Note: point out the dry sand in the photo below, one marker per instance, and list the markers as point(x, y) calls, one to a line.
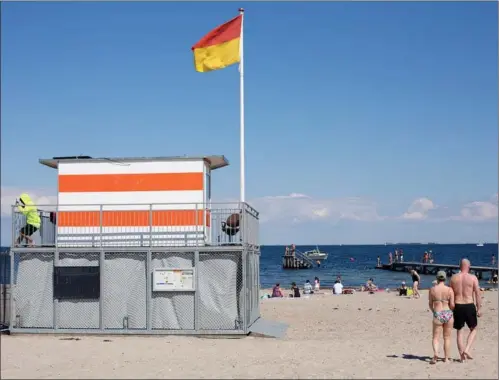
point(348, 336)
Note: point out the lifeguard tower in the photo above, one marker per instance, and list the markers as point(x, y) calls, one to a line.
point(136, 246)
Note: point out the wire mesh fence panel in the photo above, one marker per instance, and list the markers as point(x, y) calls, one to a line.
point(125, 290)
point(34, 291)
point(172, 310)
point(221, 291)
point(78, 313)
point(253, 287)
point(5, 289)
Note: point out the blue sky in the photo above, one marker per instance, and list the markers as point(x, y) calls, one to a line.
point(355, 112)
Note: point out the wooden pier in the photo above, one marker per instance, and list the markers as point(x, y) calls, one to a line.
point(432, 269)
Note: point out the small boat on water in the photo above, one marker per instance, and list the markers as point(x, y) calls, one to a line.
point(479, 245)
point(316, 254)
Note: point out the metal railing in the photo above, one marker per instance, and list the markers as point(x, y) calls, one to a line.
point(302, 256)
point(141, 225)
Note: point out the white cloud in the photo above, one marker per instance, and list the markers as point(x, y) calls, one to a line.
point(10, 194)
point(300, 208)
point(480, 210)
point(419, 208)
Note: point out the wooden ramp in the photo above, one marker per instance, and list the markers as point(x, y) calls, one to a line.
point(268, 329)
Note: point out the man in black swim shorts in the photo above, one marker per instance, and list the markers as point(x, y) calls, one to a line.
point(468, 301)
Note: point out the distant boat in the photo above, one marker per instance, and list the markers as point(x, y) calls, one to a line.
point(316, 254)
point(479, 245)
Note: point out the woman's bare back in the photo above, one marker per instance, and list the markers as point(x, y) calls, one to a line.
point(441, 297)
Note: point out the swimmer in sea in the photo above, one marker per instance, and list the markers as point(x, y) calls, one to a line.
point(441, 303)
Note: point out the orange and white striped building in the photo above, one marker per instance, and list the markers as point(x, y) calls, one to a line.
point(112, 198)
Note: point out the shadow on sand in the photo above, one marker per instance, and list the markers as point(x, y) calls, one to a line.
point(411, 357)
point(426, 359)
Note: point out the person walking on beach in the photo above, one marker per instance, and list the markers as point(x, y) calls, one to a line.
point(468, 304)
point(415, 284)
point(441, 303)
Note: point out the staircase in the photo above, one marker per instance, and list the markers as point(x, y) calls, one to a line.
point(297, 261)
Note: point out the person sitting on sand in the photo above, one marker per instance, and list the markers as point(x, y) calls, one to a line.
point(370, 286)
point(338, 287)
point(295, 291)
point(276, 291)
point(493, 279)
point(317, 285)
point(415, 284)
point(307, 288)
point(403, 289)
point(441, 303)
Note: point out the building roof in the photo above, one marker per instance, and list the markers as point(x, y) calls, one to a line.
point(214, 162)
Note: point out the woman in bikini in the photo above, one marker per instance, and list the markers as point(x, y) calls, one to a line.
point(415, 284)
point(441, 303)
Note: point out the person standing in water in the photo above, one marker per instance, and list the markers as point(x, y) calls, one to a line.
point(468, 306)
point(441, 303)
point(317, 284)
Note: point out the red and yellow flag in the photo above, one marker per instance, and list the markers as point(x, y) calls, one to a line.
point(219, 48)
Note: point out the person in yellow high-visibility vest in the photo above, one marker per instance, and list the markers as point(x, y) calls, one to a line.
point(33, 221)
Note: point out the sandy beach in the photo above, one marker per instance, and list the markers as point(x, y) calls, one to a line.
point(348, 336)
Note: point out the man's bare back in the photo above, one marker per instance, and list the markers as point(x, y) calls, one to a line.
point(465, 286)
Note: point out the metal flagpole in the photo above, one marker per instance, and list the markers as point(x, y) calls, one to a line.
point(241, 91)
